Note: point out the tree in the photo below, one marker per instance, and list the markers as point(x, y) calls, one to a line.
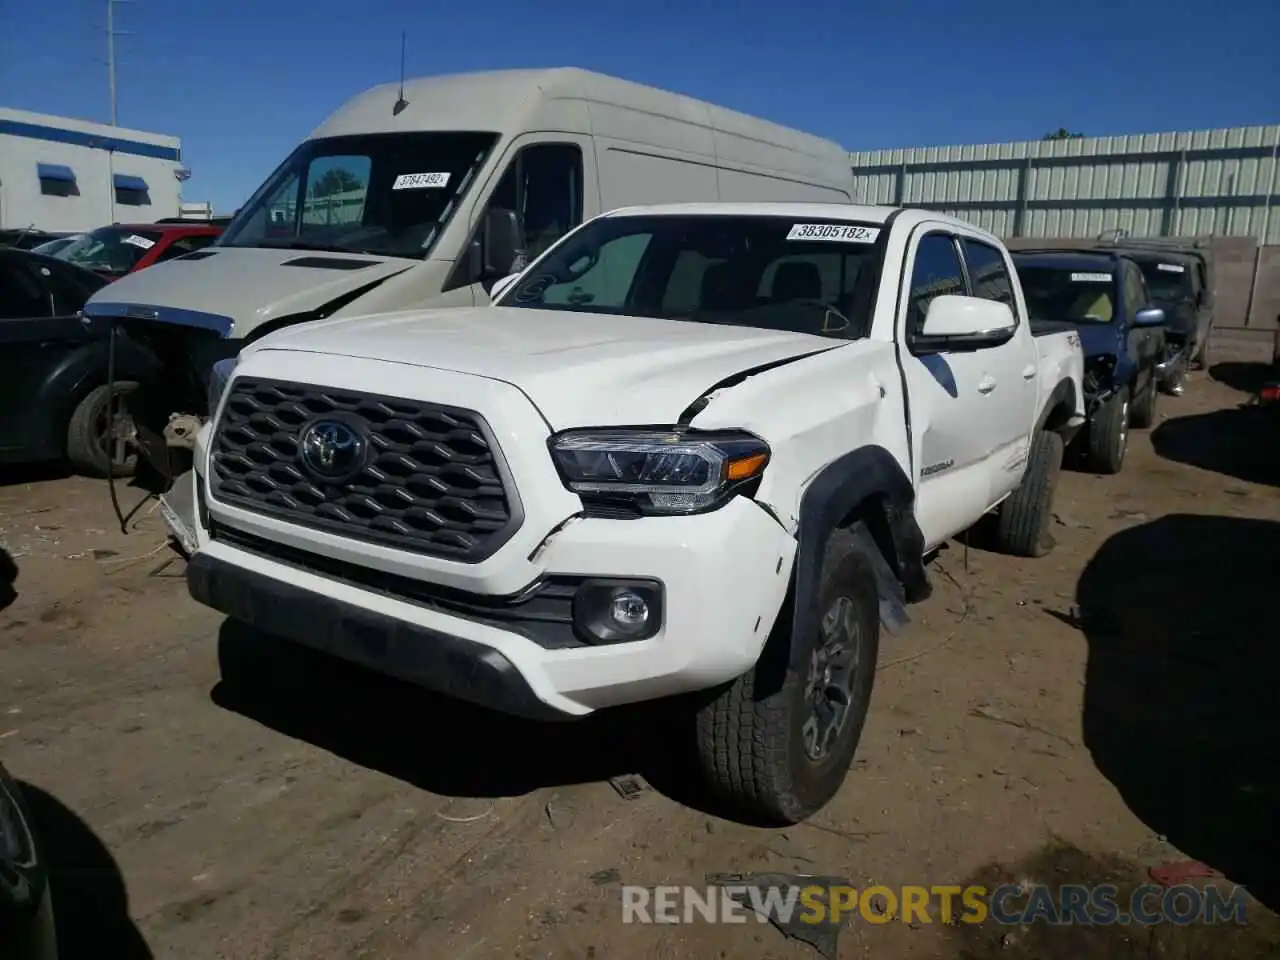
point(1062, 133)
point(335, 180)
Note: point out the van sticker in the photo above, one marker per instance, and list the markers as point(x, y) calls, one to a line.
point(421, 181)
point(140, 242)
point(1171, 267)
point(836, 232)
point(1091, 278)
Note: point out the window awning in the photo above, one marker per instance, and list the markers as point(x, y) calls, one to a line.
point(55, 171)
point(125, 181)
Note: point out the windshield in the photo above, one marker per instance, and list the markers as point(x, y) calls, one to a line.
point(388, 194)
point(775, 273)
point(109, 250)
point(1073, 296)
point(51, 247)
point(1167, 281)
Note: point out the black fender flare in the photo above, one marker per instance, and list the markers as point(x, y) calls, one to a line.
point(1063, 395)
point(869, 485)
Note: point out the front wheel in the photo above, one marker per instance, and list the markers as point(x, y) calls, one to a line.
point(102, 434)
point(776, 744)
point(1109, 434)
point(1143, 413)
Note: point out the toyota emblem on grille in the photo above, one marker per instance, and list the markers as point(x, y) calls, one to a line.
point(332, 450)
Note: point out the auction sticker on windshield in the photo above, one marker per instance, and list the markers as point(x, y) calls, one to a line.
point(421, 181)
point(140, 242)
point(1171, 267)
point(1091, 278)
point(835, 232)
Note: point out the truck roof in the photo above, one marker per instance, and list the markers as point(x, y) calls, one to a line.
point(1097, 260)
point(555, 98)
point(863, 213)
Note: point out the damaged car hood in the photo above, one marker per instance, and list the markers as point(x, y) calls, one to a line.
point(578, 369)
point(249, 285)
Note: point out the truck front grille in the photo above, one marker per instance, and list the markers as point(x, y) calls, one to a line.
point(425, 477)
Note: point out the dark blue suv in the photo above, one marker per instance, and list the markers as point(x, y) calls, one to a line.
point(1104, 297)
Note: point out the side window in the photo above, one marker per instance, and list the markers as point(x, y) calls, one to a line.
point(1202, 283)
point(608, 281)
point(69, 292)
point(543, 185)
point(21, 296)
point(988, 273)
point(336, 191)
point(936, 271)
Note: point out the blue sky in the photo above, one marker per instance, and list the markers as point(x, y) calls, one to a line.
point(242, 81)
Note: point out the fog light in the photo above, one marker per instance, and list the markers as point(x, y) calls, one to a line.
point(629, 611)
point(617, 611)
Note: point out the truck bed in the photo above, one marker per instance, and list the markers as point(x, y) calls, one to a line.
point(1046, 328)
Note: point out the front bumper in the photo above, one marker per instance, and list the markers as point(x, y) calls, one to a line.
point(724, 575)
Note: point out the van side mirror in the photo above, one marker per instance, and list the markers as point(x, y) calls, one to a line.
point(499, 242)
point(960, 323)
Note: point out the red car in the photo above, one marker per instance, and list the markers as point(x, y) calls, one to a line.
point(125, 247)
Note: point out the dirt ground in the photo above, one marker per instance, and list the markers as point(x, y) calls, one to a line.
point(1087, 716)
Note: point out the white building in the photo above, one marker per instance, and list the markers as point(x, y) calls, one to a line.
point(60, 174)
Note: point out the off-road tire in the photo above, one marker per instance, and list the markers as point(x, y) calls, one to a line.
point(1142, 413)
point(1021, 527)
point(84, 447)
point(1108, 437)
point(750, 742)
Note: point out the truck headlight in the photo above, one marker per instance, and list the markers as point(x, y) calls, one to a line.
point(219, 377)
point(659, 472)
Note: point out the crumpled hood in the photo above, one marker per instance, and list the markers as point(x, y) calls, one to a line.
point(251, 285)
point(578, 369)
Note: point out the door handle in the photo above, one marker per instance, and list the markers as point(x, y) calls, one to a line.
point(1029, 373)
point(986, 385)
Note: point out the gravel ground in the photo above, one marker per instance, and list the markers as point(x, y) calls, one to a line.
point(1085, 716)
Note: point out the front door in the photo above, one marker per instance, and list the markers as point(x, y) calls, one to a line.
point(958, 400)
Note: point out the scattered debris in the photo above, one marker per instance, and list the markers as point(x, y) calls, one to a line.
point(603, 878)
point(822, 936)
point(1070, 522)
point(628, 786)
point(1137, 516)
point(1180, 871)
point(986, 712)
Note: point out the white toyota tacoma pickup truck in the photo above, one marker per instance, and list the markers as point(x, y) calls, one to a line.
point(692, 449)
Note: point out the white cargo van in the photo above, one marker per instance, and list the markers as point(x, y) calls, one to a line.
point(424, 196)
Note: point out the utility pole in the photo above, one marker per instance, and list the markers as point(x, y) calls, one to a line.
point(112, 33)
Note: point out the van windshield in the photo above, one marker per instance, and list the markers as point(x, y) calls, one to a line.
point(387, 194)
point(777, 273)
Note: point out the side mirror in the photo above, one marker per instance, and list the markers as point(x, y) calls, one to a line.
point(499, 242)
point(502, 286)
point(954, 322)
point(1149, 317)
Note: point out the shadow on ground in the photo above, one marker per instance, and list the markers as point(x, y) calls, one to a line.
point(1180, 706)
point(1245, 377)
point(90, 904)
point(8, 577)
point(438, 744)
point(1059, 864)
point(1240, 442)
